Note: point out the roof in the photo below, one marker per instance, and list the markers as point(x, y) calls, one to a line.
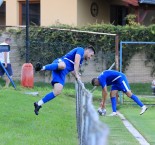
point(147, 1)
point(137, 2)
point(131, 2)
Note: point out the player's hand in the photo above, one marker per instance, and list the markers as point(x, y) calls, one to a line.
point(102, 105)
point(78, 77)
point(101, 111)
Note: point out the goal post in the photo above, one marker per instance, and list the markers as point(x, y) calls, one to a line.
point(98, 33)
point(138, 74)
point(129, 42)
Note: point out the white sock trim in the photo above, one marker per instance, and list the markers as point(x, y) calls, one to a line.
point(43, 68)
point(40, 103)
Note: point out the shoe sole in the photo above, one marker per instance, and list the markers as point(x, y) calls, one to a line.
point(144, 111)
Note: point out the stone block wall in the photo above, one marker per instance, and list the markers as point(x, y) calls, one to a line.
point(136, 71)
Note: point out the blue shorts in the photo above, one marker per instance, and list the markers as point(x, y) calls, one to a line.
point(8, 68)
point(59, 76)
point(121, 85)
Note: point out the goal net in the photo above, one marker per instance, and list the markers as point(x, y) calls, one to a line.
point(137, 61)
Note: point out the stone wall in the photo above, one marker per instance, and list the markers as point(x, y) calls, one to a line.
point(136, 72)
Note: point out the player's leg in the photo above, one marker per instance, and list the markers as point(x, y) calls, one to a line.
point(58, 82)
point(56, 64)
point(113, 94)
point(126, 89)
point(56, 91)
point(138, 101)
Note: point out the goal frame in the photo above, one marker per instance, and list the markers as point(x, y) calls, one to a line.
point(98, 33)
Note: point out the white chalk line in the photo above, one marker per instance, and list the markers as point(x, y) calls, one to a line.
point(133, 130)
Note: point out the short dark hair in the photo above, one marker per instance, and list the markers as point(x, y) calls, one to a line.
point(93, 81)
point(91, 47)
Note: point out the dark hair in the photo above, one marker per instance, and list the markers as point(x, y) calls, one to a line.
point(91, 47)
point(93, 81)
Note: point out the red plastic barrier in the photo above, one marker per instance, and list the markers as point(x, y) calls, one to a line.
point(27, 77)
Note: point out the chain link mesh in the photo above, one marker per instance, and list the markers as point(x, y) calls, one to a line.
point(90, 130)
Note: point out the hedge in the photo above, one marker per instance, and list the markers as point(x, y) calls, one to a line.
point(47, 44)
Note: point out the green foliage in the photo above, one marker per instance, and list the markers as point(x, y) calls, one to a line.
point(47, 44)
point(139, 33)
point(131, 19)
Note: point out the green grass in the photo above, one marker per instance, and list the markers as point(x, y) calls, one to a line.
point(119, 135)
point(141, 88)
point(144, 123)
point(56, 123)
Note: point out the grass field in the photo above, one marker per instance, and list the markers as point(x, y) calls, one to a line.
point(56, 124)
point(145, 123)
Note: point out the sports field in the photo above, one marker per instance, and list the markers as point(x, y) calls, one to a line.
point(56, 123)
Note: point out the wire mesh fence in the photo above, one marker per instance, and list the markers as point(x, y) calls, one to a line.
point(47, 44)
point(90, 130)
point(137, 71)
point(139, 66)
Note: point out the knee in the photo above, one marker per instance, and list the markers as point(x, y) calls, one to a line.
point(113, 94)
point(57, 92)
point(61, 65)
point(129, 94)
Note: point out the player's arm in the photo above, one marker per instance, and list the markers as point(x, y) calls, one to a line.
point(73, 73)
point(76, 65)
point(104, 97)
point(5, 58)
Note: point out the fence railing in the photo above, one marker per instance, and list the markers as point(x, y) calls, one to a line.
point(91, 131)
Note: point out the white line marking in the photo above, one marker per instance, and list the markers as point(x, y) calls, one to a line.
point(132, 130)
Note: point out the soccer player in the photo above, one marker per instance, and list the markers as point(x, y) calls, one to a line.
point(60, 68)
point(118, 82)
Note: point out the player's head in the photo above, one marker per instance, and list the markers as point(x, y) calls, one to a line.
point(95, 82)
point(89, 52)
point(8, 40)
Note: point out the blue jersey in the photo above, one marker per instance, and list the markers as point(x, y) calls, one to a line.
point(69, 58)
point(110, 77)
point(58, 76)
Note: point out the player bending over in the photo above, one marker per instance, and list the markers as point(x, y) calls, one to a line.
point(60, 68)
point(118, 82)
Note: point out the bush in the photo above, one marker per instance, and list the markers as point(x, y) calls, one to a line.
point(47, 44)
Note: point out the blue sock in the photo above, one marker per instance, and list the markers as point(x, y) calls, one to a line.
point(113, 103)
point(136, 99)
point(52, 66)
point(48, 97)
